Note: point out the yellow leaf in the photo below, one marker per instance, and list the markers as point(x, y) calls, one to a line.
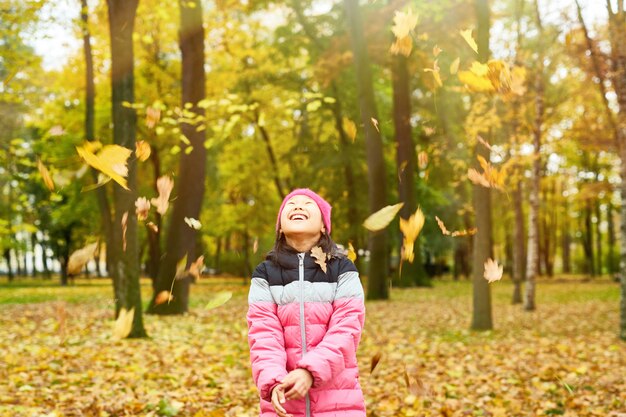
point(164, 185)
point(79, 258)
point(435, 72)
point(220, 298)
point(350, 128)
point(142, 208)
point(180, 268)
point(411, 229)
point(454, 67)
point(403, 23)
point(402, 46)
point(351, 252)
point(436, 50)
point(422, 160)
point(320, 257)
point(142, 150)
point(111, 161)
point(467, 35)
point(475, 83)
point(45, 174)
point(193, 223)
point(493, 272)
point(375, 123)
point(382, 218)
point(477, 178)
point(124, 323)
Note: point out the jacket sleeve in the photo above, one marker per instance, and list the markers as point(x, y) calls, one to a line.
point(338, 347)
point(265, 336)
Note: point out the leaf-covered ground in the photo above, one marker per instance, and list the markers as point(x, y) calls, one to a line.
point(58, 357)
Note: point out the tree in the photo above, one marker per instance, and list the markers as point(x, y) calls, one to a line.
point(181, 239)
point(377, 273)
point(124, 256)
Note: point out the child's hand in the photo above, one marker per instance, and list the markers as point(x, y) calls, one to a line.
point(298, 381)
point(278, 398)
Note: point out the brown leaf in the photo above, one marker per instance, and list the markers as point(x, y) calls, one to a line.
point(153, 227)
point(320, 257)
point(142, 150)
point(375, 360)
point(195, 269)
point(152, 116)
point(402, 46)
point(413, 381)
point(446, 232)
point(163, 297)
point(142, 208)
point(124, 227)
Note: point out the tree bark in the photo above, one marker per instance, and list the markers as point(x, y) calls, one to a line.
point(588, 241)
point(598, 216)
point(483, 244)
point(125, 259)
point(377, 287)
point(411, 273)
point(612, 267)
point(518, 244)
point(181, 239)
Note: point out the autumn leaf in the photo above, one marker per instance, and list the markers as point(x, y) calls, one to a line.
point(196, 267)
point(111, 161)
point(220, 298)
point(446, 232)
point(435, 71)
point(320, 257)
point(124, 227)
point(477, 178)
point(375, 360)
point(164, 185)
point(422, 160)
point(351, 252)
point(193, 223)
point(152, 116)
point(413, 382)
point(142, 150)
point(493, 272)
point(375, 123)
point(45, 174)
point(454, 67)
point(142, 208)
point(56, 131)
point(79, 258)
point(411, 229)
point(436, 51)
point(402, 46)
point(124, 323)
point(153, 227)
point(467, 35)
point(350, 128)
point(181, 267)
point(163, 297)
point(381, 219)
point(403, 23)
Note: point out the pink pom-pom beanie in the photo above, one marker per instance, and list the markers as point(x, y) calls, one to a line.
point(323, 205)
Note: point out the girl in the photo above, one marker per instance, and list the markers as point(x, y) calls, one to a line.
point(305, 318)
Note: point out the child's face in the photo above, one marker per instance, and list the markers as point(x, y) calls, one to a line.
point(301, 216)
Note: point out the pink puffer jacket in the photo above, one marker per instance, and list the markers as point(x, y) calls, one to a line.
point(301, 317)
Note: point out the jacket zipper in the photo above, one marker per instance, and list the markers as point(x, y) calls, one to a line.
point(307, 400)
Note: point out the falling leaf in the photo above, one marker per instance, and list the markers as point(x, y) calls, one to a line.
point(111, 161)
point(142, 208)
point(454, 67)
point(428, 130)
point(351, 252)
point(181, 267)
point(467, 35)
point(56, 131)
point(422, 160)
point(411, 229)
point(403, 23)
point(493, 272)
point(45, 174)
point(195, 269)
point(124, 227)
point(436, 50)
point(320, 257)
point(142, 150)
point(402, 46)
point(124, 323)
point(152, 116)
point(477, 178)
point(484, 142)
point(446, 232)
point(163, 297)
point(164, 185)
point(220, 298)
point(193, 223)
point(375, 123)
point(435, 71)
point(255, 245)
point(381, 219)
point(153, 227)
point(413, 382)
point(350, 128)
point(375, 360)
point(79, 258)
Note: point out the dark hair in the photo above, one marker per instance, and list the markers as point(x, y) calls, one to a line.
point(326, 243)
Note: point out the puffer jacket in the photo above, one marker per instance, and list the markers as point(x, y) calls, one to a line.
point(300, 317)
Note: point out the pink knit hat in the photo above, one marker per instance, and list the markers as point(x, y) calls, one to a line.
point(321, 203)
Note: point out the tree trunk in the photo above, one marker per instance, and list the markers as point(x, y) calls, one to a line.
point(481, 201)
point(611, 239)
point(518, 244)
point(7, 259)
point(599, 260)
point(411, 273)
point(588, 241)
point(33, 264)
point(124, 256)
point(377, 287)
point(181, 239)
point(154, 237)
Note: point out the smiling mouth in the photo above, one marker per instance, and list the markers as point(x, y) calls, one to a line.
point(298, 216)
